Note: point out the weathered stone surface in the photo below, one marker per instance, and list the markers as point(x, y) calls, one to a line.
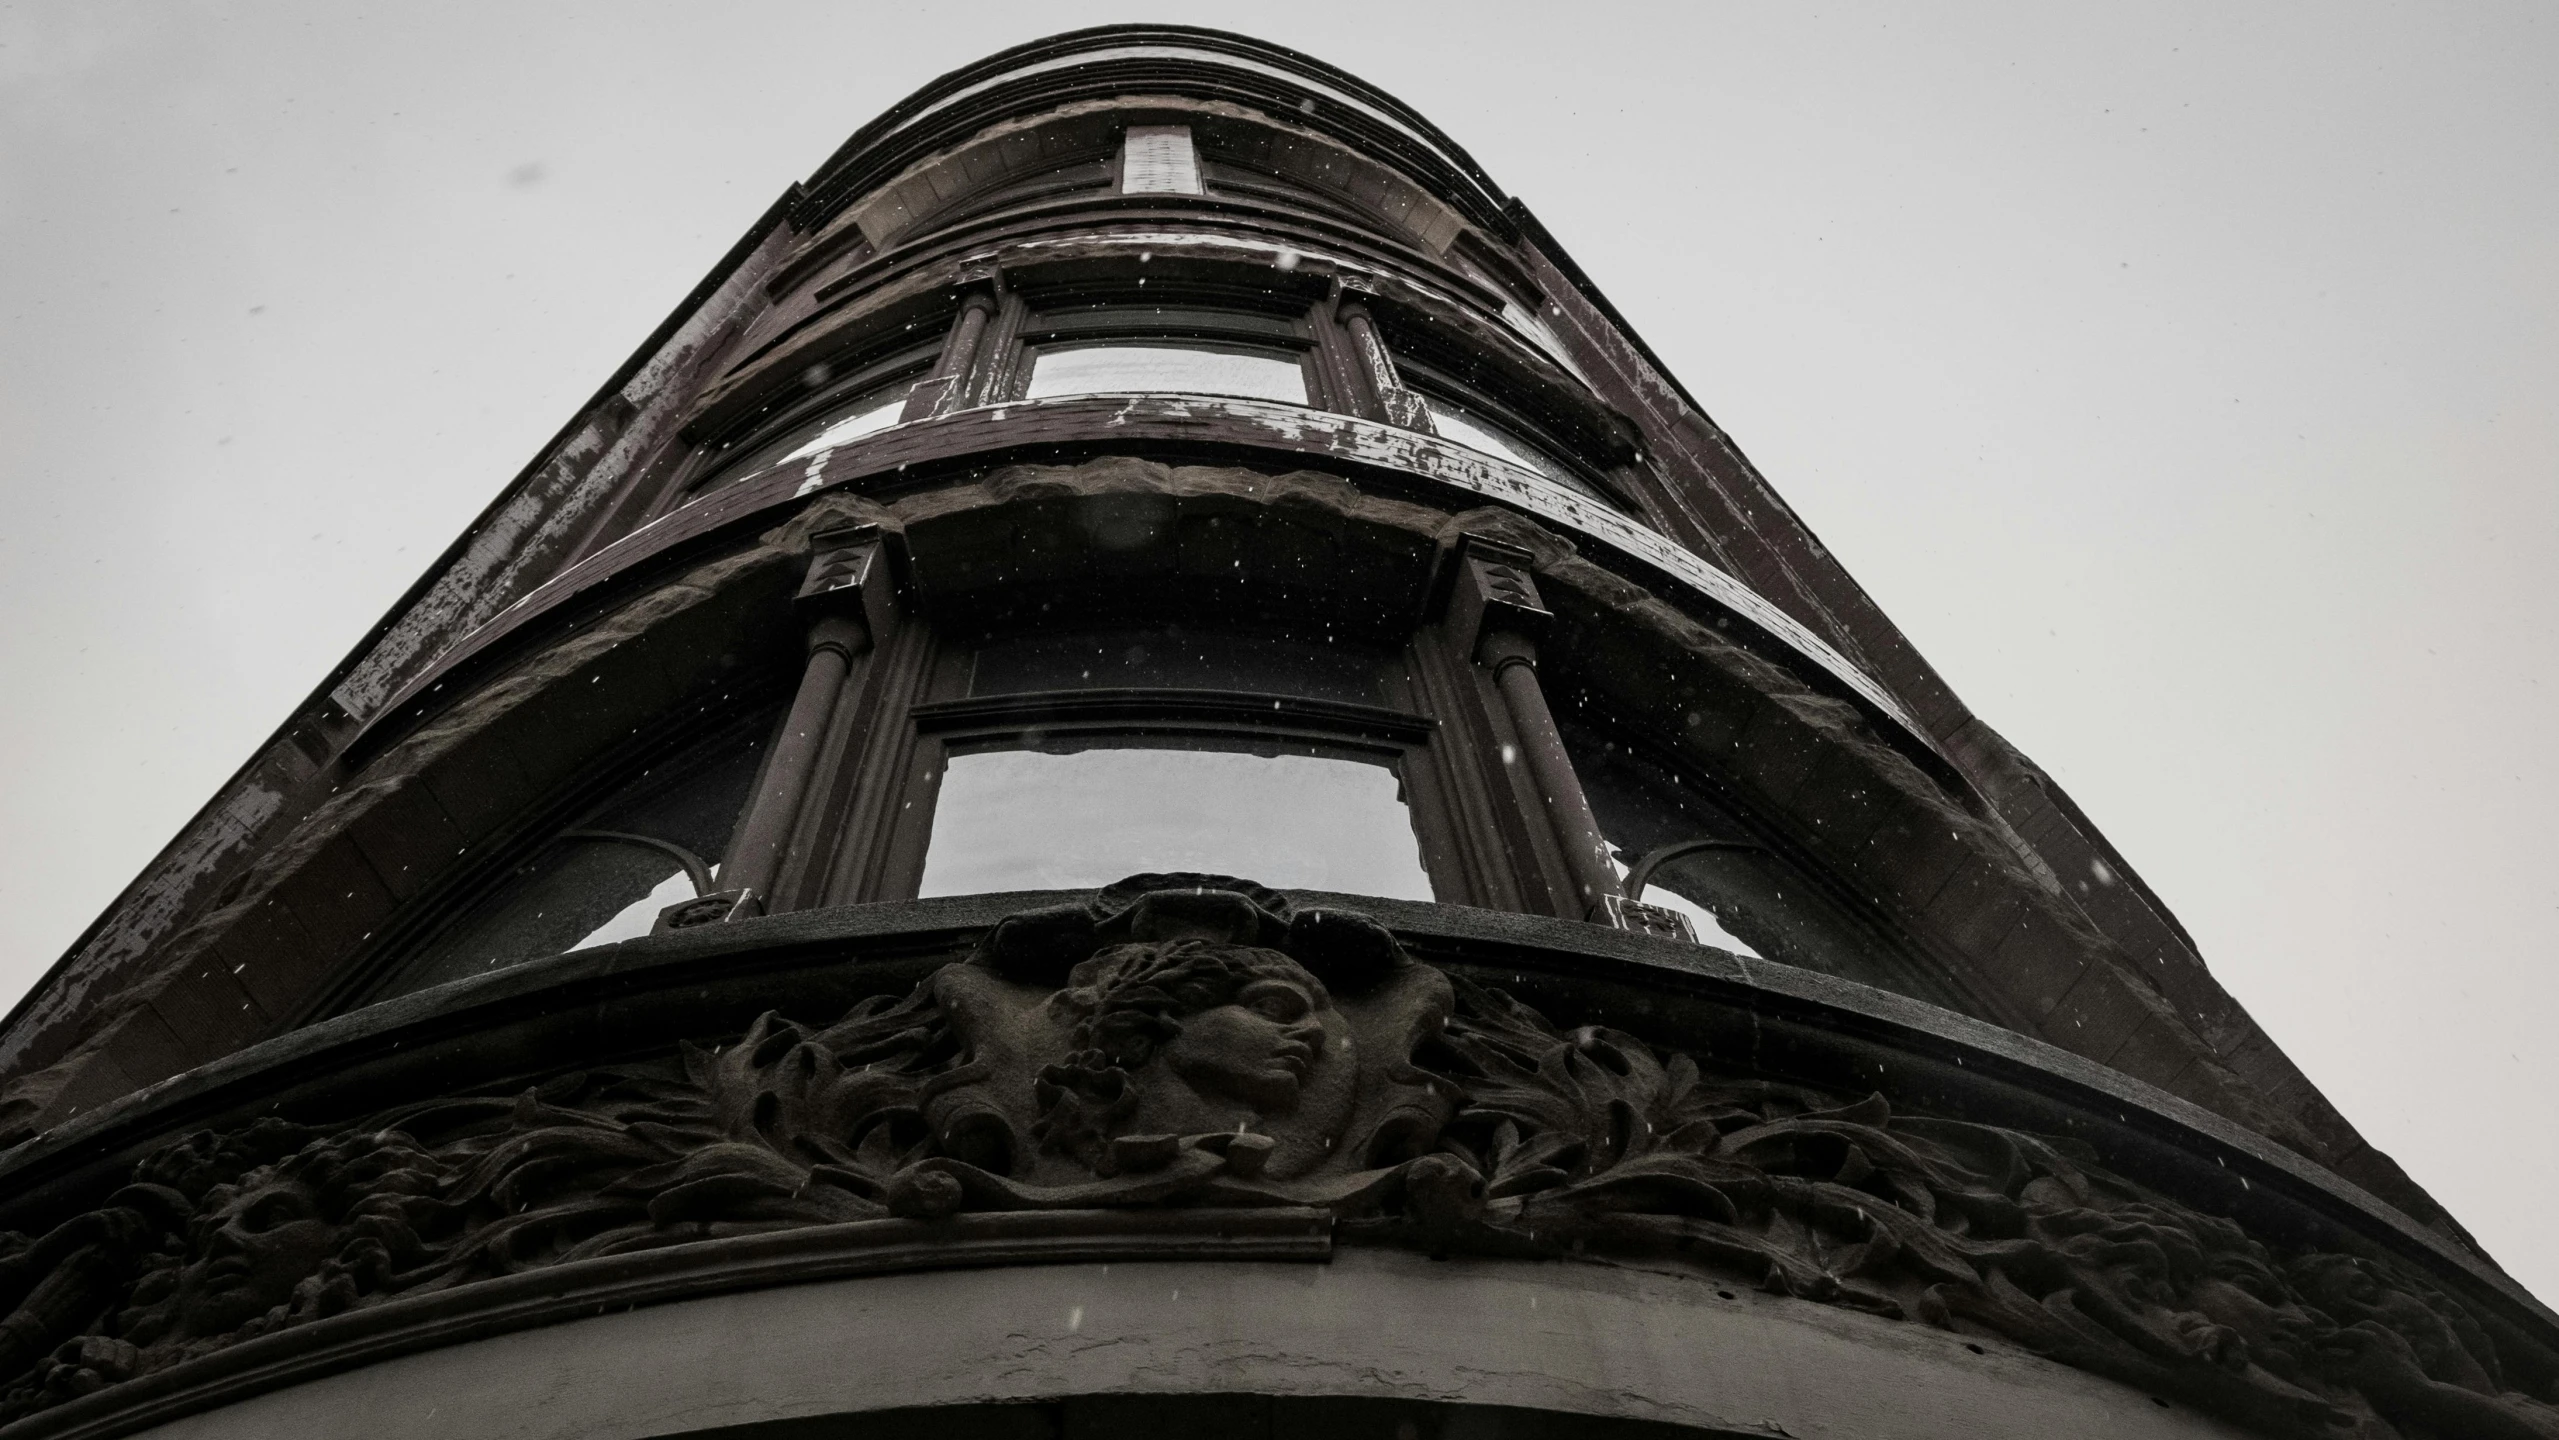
point(1193, 1042)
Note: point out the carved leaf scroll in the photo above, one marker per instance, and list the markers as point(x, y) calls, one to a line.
point(1194, 1040)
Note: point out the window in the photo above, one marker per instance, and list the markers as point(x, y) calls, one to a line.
point(1072, 757)
point(1159, 160)
point(1684, 885)
point(1473, 430)
point(1177, 369)
point(1050, 819)
point(867, 412)
point(873, 412)
point(1739, 892)
point(605, 877)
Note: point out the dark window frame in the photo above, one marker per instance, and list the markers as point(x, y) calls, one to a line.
point(682, 739)
point(1178, 323)
point(1039, 720)
point(915, 708)
point(1892, 943)
point(717, 463)
point(1439, 386)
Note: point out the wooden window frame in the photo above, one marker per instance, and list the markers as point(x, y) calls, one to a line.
point(871, 820)
point(1191, 325)
point(711, 465)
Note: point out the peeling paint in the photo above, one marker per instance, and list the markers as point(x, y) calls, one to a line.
point(554, 503)
point(495, 571)
point(1293, 255)
point(814, 477)
point(145, 912)
point(1371, 443)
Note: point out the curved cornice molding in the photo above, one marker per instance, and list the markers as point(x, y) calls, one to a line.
point(1424, 465)
point(1174, 59)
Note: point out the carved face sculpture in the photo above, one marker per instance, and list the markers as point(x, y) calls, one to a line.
point(264, 1235)
point(1194, 1037)
point(1260, 1047)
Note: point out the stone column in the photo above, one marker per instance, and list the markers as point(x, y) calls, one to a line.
point(845, 602)
point(940, 392)
point(1496, 605)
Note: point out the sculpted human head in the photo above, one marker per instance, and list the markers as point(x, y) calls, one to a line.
point(333, 1207)
point(261, 1237)
point(1235, 1022)
point(1259, 1044)
point(1195, 1036)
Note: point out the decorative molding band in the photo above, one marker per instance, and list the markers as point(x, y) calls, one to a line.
point(1137, 423)
point(677, 1272)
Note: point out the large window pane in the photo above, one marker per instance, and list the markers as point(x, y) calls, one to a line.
point(581, 893)
point(867, 413)
point(1462, 427)
point(1047, 820)
point(1178, 369)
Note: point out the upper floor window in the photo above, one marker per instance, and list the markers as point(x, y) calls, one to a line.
point(1128, 366)
point(871, 403)
point(606, 874)
point(1051, 816)
point(1476, 431)
point(1736, 888)
point(1159, 160)
point(865, 414)
point(1071, 757)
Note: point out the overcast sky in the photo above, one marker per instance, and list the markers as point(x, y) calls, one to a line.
point(2180, 377)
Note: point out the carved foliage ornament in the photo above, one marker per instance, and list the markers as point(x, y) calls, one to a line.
point(1196, 1040)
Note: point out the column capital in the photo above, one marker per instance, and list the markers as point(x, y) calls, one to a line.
point(1494, 609)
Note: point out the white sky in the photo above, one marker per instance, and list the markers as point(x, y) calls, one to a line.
point(2179, 376)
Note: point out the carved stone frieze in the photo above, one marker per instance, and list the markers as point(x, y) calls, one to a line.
point(1196, 1041)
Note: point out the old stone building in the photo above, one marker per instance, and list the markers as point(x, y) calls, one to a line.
point(1143, 773)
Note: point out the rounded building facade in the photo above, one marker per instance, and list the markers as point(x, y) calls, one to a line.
point(1144, 772)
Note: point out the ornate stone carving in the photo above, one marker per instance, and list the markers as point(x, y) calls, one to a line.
point(1197, 1041)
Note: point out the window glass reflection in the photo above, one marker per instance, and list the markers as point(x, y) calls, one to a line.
point(1740, 894)
point(1179, 369)
point(874, 412)
point(1456, 424)
point(1672, 891)
point(1052, 820)
point(1472, 430)
point(1169, 658)
point(867, 413)
point(606, 878)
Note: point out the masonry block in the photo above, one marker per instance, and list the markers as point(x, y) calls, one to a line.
point(407, 839)
point(209, 1010)
point(272, 958)
point(2096, 1015)
point(338, 899)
